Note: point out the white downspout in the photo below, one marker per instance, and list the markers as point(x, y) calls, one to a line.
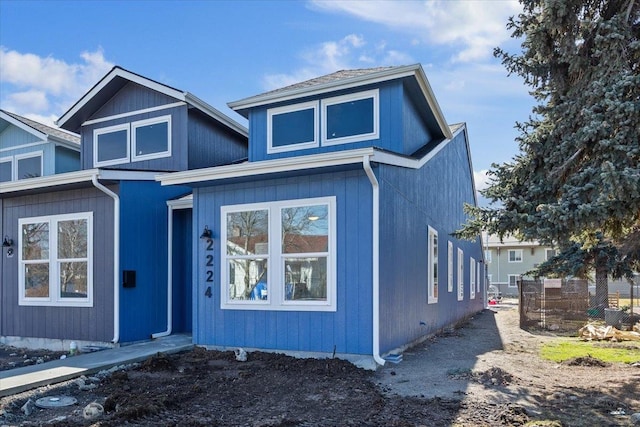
point(116, 256)
point(169, 276)
point(376, 259)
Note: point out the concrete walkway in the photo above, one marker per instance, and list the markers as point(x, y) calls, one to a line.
point(20, 379)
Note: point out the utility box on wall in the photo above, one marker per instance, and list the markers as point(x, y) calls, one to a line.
point(128, 278)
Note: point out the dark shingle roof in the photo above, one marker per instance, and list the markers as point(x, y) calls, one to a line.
point(48, 130)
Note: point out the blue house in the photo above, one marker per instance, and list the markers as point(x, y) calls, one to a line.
point(102, 255)
point(29, 149)
point(334, 237)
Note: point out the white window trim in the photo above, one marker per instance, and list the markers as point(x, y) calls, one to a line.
point(375, 94)
point(460, 274)
point(546, 251)
point(515, 251)
point(509, 276)
point(275, 259)
point(11, 165)
point(488, 256)
point(290, 109)
point(18, 157)
point(472, 278)
point(147, 122)
point(431, 298)
point(489, 280)
point(54, 298)
point(110, 129)
point(449, 266)
point(478, 267)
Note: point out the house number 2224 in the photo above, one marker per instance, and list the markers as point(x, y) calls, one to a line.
point(208, 257)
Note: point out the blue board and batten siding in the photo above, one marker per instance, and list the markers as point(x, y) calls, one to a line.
point(211, 144)
point(411, 201)
point(77, 323)
point(134, 97)
point(345, 331)
point(143, 243)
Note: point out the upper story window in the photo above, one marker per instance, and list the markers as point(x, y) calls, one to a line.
point(21, 166)
point(130, 142)
point(350, 118)
point(279, 255)
point(515, 255)
point(56, 261)
point(345, 118)
point(292, 127)
point(549, 253)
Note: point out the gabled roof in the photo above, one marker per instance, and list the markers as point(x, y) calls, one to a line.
point(40, 130)
point(115, 80)
point(346, 79)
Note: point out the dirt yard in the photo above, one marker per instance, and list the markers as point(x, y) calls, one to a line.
point(485, 373)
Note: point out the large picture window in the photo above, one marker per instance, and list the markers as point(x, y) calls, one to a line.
point(279, 255)
point(140, 140)
point(56, 261)
point(433, 267)
point(292, 127)
point(350, 118)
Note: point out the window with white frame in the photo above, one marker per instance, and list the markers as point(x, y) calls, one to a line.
point(487, 256)
point(56, 260)
point(449, 266)
point(478, 270)
point(292, 127)
point(549, 253)
point(151, 138)
point(515, 255)
point(472, 278)
point(432, 285)
point(129, 142)
point(28, 165)
point(460, 274)
point(279, 255)
point(350, 118)
point(6, 169)
point(513, 280)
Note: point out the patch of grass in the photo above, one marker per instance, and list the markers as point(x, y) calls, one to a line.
point(565, 349)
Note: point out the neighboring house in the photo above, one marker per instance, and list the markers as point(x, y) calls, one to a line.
point(103, 254)
point(29, 149)
point(509, 259)
point(335, 236)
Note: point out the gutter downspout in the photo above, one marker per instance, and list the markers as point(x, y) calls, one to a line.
point(116, 256)
point(169, 276)
point(376, 258)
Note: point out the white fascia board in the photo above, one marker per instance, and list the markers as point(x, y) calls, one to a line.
point(119, 72)
point(421, 77)
point(75, 146)
point(269, 98)
point(288, 164)
point(23, 126)
point(217, 115)
point(74, 178)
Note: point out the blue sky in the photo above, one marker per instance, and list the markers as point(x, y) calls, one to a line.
point(52, 52)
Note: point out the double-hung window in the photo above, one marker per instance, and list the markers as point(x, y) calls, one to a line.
point(279, 255)
point(460, 274)
point(350, 118)
point(131, 142)
point(56, 261)
point(432, 296)
point(292, 127)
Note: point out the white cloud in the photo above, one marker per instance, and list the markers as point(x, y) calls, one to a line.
point(47, 86)
point(481, 179)
point(475, 27)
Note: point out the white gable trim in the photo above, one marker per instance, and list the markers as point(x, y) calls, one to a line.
point(17, 123)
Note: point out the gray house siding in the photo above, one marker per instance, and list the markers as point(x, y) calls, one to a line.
point(77, 323)
point(212, 145)
point(410, 202)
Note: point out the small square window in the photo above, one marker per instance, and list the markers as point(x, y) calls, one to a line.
point(549, 253)
point(350, 118)
point(513, 280)
point(111, 145)
point(151, 138)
